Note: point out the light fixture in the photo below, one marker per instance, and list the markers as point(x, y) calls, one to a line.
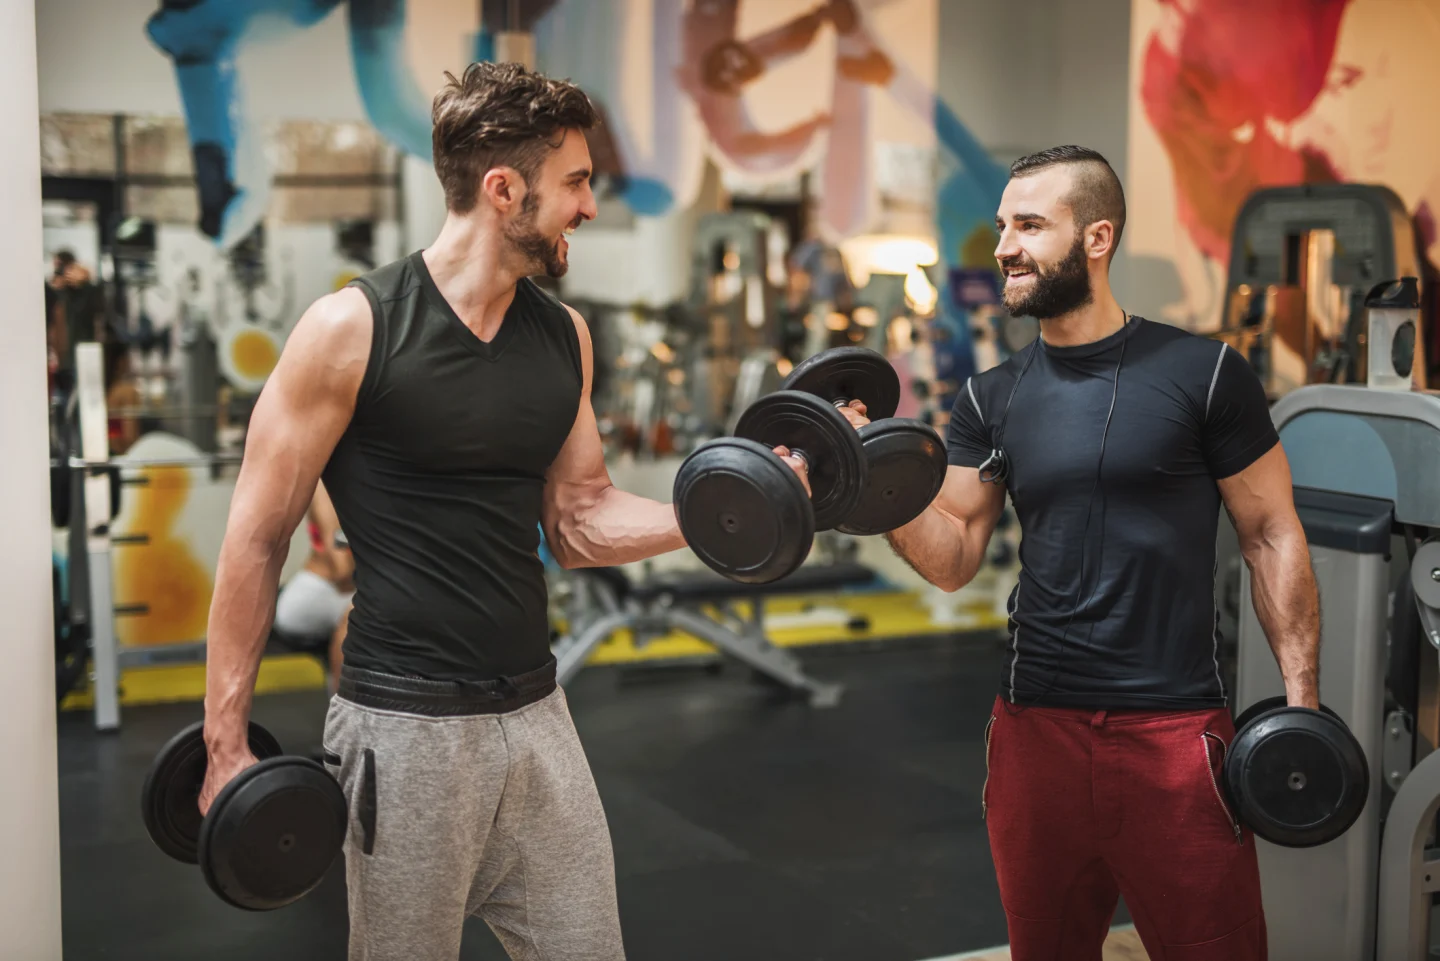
point(920, 295)
point(886, 254)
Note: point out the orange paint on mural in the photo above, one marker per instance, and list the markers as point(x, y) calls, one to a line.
point(164, 573)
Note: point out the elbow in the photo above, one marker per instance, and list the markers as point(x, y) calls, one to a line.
point(562, 537)
point(1280, 538)
point(568, 560)
point(950, 582)
point(569, 523)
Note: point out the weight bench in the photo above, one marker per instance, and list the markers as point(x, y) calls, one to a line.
point(701, 604)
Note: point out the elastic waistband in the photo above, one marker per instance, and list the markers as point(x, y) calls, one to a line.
point(413, 695)
point(1094, 717)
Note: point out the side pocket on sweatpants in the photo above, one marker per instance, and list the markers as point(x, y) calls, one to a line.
point(984, 799)
point(1214, 767)
point(365, 802)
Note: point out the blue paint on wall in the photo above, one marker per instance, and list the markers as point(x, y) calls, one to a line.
point(968, 194)
point(202, 39)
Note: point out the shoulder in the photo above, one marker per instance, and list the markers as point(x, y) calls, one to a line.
point(337, 317)
point(549, 305)
point(1186, 354)
point(331, 341)
point(390, 280)
point(986, 390)
point(583, 343)
point(582, 329)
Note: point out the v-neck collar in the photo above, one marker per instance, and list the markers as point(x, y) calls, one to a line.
point(486, 350)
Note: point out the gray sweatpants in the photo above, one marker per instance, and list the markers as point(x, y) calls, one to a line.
point(495, 815)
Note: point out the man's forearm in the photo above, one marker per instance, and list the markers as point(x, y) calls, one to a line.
point(615, 528)
point(1288, 606)
point(241, 612)
point(933, 545)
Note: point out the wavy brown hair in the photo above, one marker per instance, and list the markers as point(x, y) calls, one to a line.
point(500, 115)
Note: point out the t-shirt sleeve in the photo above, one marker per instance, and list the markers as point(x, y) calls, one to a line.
point(967, 440)
point(1238, 428)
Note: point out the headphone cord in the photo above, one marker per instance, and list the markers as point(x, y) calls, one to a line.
point(1084, 540)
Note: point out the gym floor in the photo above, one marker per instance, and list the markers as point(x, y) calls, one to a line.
point(745, 825)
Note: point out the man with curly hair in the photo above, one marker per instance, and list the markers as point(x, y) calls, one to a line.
point(444, 400)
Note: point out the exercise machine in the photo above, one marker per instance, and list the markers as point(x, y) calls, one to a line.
point(1366, 470)
point(1302, 262)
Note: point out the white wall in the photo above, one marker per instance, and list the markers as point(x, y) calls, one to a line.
point(29, 800)
point(647, 264)
point(1023, 77)
point(424, 203)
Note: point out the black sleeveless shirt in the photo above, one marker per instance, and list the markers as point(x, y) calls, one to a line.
point(437, 480)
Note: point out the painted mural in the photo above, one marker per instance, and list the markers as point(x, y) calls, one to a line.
point(1229, 96)
point(202, 39)
point(766, 90)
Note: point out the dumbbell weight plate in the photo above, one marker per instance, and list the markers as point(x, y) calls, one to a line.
point(272, 833)
point(905, 467)
point(1266, 705)
point(169, 800)
point(1297, 777)
point(849, 373)
point(832, 447)
point(743, 511)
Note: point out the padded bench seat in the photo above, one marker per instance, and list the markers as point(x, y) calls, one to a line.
point(706, 585)
point(606, 601)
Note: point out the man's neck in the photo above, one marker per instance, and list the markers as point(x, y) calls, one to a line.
point(1095, 321)
point(475, 271)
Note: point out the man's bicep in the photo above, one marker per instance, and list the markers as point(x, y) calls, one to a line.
point(971, 503)
point(301, 414)
point(581, 460)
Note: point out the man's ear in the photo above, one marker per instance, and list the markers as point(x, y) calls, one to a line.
point(1099, 239)
point(503, 187)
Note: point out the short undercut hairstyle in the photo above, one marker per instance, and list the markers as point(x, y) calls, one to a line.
point(500, 115)
point(1095, 191)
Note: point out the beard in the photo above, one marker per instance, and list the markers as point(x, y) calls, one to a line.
point(1056, 290)
point(527, 240)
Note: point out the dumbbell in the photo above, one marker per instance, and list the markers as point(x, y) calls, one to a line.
point(744, 511)
point(271, 833)
point(1295, 776)
point(905, 459)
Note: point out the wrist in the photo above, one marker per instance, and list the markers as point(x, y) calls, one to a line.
point(1302, 692)
point(227, 730)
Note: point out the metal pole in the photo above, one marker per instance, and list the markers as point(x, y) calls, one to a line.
point(95, 448)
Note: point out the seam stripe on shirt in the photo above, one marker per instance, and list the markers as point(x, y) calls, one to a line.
point(1215, 377)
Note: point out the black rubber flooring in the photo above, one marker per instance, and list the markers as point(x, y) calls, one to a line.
point(746, 825)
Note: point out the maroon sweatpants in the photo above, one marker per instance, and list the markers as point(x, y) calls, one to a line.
point(1083, 806)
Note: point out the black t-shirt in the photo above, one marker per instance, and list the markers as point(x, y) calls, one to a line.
point(1131, 554)
point(437, 482)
